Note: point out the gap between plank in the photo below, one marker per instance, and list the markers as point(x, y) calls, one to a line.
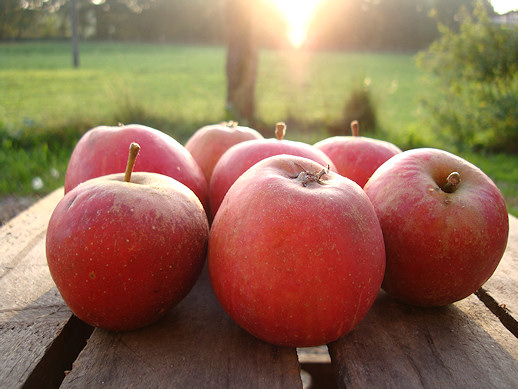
point(49, 373)
point(499, 310)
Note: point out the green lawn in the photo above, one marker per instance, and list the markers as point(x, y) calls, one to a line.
point(167, 84)
point(316, 87)
point(186, 85)
point(46, 104)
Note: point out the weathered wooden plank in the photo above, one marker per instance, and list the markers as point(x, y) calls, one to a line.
point(23, 232)
point(195, 346)
point(462, 345)
point(500, 292)
point(33, 316)
point(198, 345)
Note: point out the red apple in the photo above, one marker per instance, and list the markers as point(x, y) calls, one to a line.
point(444, 222)
point(296, 253)
point(357, 157)
point(103, 150)
point(209, 143)
point(123, 253)
point(239, 158)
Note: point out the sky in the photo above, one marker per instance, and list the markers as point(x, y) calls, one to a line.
point(503, 6)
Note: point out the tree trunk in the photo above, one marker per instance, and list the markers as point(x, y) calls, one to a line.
point(75, 34)
point(241, 61)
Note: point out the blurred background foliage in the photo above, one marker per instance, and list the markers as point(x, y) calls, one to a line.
point(470, 62)
point(475, 70)
point(354, 24)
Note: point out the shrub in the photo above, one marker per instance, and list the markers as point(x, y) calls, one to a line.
point(475, 72)
point(360, 107)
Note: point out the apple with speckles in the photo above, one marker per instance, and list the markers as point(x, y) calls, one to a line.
point(123, 249)
point(240, 157)
point(357, 157)
point(444, 222)
point(208, 143)
point(103, 150)
point(296, 254)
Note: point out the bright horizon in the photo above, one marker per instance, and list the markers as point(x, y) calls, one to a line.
point(298, 14)
point(504, 6)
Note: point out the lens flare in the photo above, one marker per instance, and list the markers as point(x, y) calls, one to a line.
point(298, 15)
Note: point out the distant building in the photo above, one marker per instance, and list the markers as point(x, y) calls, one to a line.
point(510, 18)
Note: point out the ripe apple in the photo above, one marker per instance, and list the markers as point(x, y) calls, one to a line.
point(123, 252)
point(444, 222)
point(240, 157)
point(357, 157)
point(208, 143)
point(296, 254)
point(103, 150)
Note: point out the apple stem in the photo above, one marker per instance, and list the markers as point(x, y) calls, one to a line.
point(355, 128)
point(306, 177)
point(230, 124)
point(133, 152)
point(280, 130)
point(452, 182)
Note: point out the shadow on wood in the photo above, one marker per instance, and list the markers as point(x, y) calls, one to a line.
point(169, 353)
point(397, 345)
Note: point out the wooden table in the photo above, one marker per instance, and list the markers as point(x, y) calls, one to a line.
point(469, 344)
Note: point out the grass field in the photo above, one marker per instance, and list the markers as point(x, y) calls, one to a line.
point(185, 85)
point(45, 103)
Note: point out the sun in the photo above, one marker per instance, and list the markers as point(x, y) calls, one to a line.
point(298, 15)
point(503, 6)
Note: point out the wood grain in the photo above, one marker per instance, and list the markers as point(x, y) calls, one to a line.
point(195, 346)
point(462, 345)
point(500, 292)
point(24, 231)
point(198, 346)
point(33, 316)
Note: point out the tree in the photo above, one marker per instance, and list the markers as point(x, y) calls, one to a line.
point(75, 37)
point(242, 58)
point(383, 24)
point(475, 71)
point(14, 19)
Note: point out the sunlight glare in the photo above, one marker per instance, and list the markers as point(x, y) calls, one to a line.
point(504, 6)
point(298, 15)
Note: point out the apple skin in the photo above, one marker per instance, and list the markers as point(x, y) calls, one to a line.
point(239, 158)
point(104, 150)
point(122, 254)
point(295, 265)
point(441, 247)
point(357, 157)
point(208, 143)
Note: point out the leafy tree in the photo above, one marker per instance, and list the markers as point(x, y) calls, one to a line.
point(383, 24)
point(242, 60)
point(475, 71)
point(14, 19)
point(352, 24)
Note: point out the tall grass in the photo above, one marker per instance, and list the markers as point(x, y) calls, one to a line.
point(46, 104)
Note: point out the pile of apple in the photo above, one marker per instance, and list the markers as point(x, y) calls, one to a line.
point(298, 238)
